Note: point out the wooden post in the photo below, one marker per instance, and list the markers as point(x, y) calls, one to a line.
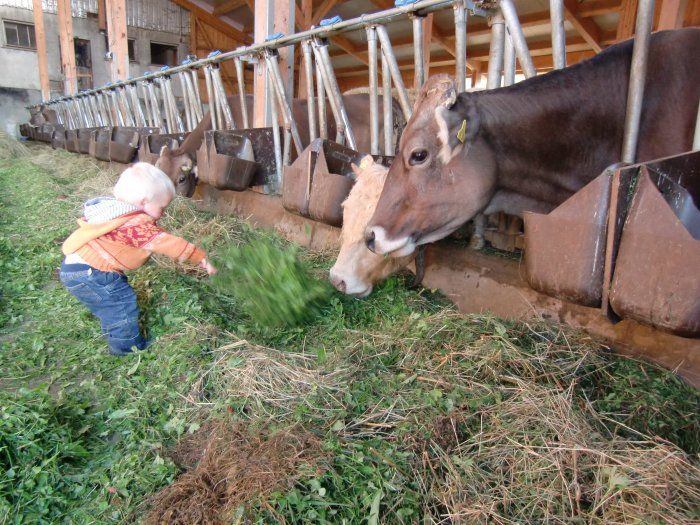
point(671, 14)
point(628, 18)
point(65, 29)
point(118, 44)
point(40, 36)
point(303, 23)
point(101, 15)
point(427, 40)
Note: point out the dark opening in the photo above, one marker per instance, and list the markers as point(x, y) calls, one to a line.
point(132, 49)
point(163, 54)
point(83, 63)
point(19, 35)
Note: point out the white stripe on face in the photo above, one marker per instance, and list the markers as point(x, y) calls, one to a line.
point(394, 247)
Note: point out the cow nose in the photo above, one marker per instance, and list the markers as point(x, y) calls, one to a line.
point(338, 283)
point(369, 238)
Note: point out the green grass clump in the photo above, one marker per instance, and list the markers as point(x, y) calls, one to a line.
point(272, 285)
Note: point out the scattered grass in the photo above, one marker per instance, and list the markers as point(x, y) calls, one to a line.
point(416, 414)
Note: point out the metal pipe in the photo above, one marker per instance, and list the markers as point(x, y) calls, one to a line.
point(321, 94)
point(167, 109)
point(460, 12)
point(155, 105)
point(696, 138)
point(388, 108)
point(211, 98)
point(115, 105)
point(496, 51)
point(276, 142)
point(374, 88)
point(198, 109)
point(185, 98)
point(638, 73)
point(508, 61)
point(241, 91)
point(92, 100)
point(556, 10)
point(147, 103)
point(136, 105)
point(310, 98)
point(222, 100)
point(195, 102)
point(124, 103)
point(388, 53)
point(516, 31)
point(418, 52)
point(342, 121)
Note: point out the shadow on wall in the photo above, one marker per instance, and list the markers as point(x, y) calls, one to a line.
point(13, 112)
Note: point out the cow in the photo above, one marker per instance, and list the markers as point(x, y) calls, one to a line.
point(179, 164)
point(532, 145)
point(357, 269)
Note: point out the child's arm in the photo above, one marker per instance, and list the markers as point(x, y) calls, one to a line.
point(179, 249)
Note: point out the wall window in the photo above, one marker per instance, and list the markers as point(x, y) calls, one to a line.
point(132, 49)
point(19, 35)
point(163, 54)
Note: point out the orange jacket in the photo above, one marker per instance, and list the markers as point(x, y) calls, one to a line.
point(126, 242)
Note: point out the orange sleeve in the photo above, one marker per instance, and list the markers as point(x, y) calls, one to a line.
point(175, 247)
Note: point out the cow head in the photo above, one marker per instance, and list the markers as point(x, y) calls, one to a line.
point(357, 269)
point(443, 175)
point(180, 169)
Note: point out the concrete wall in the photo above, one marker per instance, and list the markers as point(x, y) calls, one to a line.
point(19, 81)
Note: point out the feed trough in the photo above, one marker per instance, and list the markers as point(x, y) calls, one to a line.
point(150, 147)
point(236, 159)
point(45, 132)
point(655, 277)
point(71, 140)
point(24, 130)
point(124, 142)
point(319, 180)
point(99, 143)
point(84, 136)
point(59, 139)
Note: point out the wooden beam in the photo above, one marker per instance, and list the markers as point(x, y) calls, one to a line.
point(65, 29)
point(118, 44)
point(41, 55)
point(346, 45)
point(101, 15)
point(671, 14)
point(322, 11)
point(692, 14)
point(193, 34)
point(628, 18)
point(216, 23)
point(428, 25)
point(598, 7)
point(227, 6)
point(586, 27)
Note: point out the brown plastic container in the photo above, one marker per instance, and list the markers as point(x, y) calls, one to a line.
point(123, 144)
point(149, 149)
point(99, 143)
point(45, 133)
point(656, 278)
point(564, 250)
point(58, 139)
point(84, 136)
point(71, 141)
point(319, 180)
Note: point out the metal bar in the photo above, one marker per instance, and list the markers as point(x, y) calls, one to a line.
point(496, 51)
point(155, 105)
point(421, 7)
point(638, 73)
point(321, 94)
point(277, 183)
point(199, 110)
point(418, 52)
point(556, 10)
point(460, 12)
point(211, 98)
point(508, 61)
point(96, 110)
point(136, 105)
point(185, 98)
point(387, 108)
point(149, 114)
point(195, 102)
point(124, 104)
point(516, 31)
point(222, 100)
point(167, 109)
point(388, 53)
point(241, 91)
point(173, 102)
point(334, 94)
point(696, 138)
point(374, 88)
point(278, 85)
point(310, 99)
point(117, 110)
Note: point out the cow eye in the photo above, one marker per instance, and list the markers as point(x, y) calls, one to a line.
point(418, 157)
point(181, 180)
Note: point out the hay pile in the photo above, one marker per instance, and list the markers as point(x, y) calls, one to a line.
point(11, 148)
point(229, 465)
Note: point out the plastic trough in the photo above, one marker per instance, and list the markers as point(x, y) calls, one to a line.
point(564, 250)
point(71, 141)
point(83, 140)
point(319, 180)
point(655, 278)
point(45, 132)
point(124, 142)
point(99, 143)
point(150, 147)
point(24, 130)
point(59, 139)
point(236, 159)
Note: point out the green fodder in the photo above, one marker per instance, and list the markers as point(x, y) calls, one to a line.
point(270, 283)
point(11, 148)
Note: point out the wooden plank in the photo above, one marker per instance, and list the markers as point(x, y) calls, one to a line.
point(40, 36)
point(692, 14)
point(322, 11)
point(194, 44)
point(227, 6)
point(101, 15)
point(118, 44)
point(628, 18)
point(586, 27)
point(214, 22)
point(351, 49)
point(427, 41)
point(65, 29)
point(598, 7)
point(303, 21)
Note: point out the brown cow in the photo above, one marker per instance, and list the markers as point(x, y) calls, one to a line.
point(179, 163)
point(532, 145)
point(357, 269)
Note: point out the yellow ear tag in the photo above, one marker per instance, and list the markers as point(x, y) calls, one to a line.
point(462, 133)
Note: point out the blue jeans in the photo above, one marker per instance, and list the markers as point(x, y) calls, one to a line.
point(112, 300)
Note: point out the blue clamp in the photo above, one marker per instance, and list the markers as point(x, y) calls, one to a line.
point(214, 53)
point(401, 3)
point(146, 73)
point(274, 36)
point(188, 60)
point(330, 21)
point(164, 68)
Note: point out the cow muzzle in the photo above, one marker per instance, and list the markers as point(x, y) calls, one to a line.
point(377, 241)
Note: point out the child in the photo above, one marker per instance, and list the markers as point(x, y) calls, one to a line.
point(118, 234)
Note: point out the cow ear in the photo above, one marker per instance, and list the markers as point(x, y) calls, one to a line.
point(456, 127)
point(165, 151)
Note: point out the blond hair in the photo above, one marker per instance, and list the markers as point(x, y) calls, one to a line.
point(143, 182)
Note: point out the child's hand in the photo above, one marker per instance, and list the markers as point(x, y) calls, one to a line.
point(208, 267)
